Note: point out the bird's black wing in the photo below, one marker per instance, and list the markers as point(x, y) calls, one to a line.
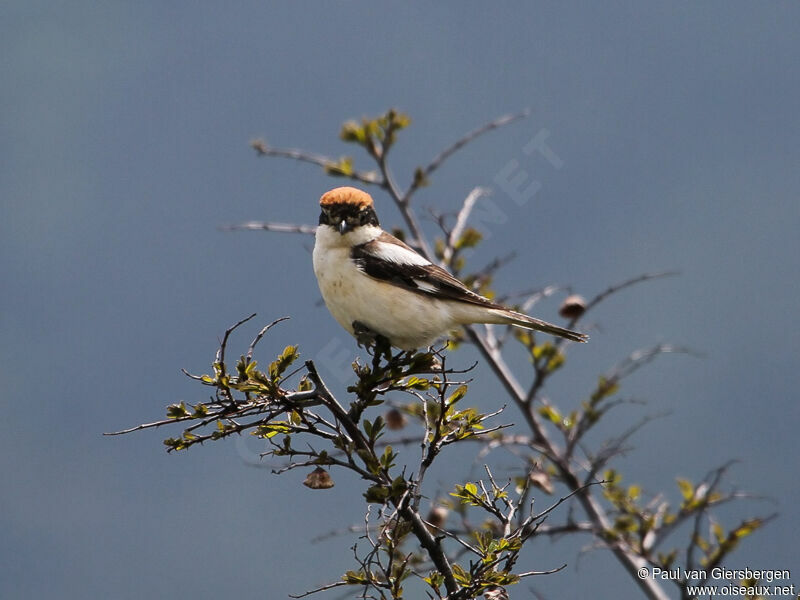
point(389, 259)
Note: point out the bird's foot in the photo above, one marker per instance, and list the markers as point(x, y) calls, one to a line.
point(365, 336)
point(372, 341)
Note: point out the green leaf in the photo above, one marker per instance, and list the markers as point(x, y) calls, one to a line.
point(605, 388)
point(417, 383)
point(271, 429)
point(469, 239)
point(434, 579)
point(718, 531)
point(461, 576)
point(634, 491)
point(420, 179)
point(543, 351)
point(467, 493)
point(341, 168)
point(355, 577)
point(372, 465)
point(556, 361)
point(353, 132)
point(460, 392)
point(551, 414)
point(387, 458)
point(377, 494)
point(686, 488)
point(399, 120)
point(746, 528)
point(399, 486)
point(283, 362)
point(177, 411)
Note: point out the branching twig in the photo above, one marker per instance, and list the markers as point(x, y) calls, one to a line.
point(439, 159)
point(461, 222)
point(264, 149)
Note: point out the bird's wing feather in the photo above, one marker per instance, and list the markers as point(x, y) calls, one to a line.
point(390, 260)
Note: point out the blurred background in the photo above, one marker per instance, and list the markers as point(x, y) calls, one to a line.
point(673, 145)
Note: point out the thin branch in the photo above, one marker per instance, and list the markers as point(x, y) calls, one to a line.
point(613, 289)
point(337, 409)
point(269, 226)
point(550, 572)
point(224, 343)
point(326, 162)
point(579, 490)
point(329, 586)
point(432, 545)
point(614, 446)
point(639, 358)
point(621, 286)
point(439, 159)
point(402, 202)
point(493, 266)
point(461, 221)
point(149, 425)
point(260, 335)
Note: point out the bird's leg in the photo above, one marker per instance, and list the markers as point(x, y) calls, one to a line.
point(382, 348)
point(372, 341)
point(365, 336)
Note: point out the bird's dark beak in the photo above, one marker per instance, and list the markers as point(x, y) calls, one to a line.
point(344, 227)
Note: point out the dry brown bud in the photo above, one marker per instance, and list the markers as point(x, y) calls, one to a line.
point(437, 516)
point(319, 479)
point(572, 307)
point(395, 419)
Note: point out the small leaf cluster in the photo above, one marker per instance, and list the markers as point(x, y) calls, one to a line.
point(375, 134)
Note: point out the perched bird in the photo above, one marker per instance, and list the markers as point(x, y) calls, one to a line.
point(374, 283)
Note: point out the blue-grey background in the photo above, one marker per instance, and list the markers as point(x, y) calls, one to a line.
point(125, 130)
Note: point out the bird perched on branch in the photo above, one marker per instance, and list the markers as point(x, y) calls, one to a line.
point(374, 284)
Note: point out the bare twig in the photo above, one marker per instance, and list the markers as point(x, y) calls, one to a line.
point(550, 572)
point(613, 289)
point(269, 226)
point(322, 588)
point(461, 221)
point(439, 159)
point(260, 335)
point(326, 162)
point(639, 358)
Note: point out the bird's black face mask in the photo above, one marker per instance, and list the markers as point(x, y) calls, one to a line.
point(346, 218)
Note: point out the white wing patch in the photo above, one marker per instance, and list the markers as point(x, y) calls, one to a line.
point(425, 286)
point(397, 254)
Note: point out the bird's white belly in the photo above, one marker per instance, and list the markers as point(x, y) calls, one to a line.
point(408, 319)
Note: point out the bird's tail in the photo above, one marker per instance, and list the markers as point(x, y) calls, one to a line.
point(520, 320)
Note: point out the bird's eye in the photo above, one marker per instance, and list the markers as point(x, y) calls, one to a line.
point(363, 217)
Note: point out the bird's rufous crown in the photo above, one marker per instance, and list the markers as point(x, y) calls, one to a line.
point(346, 196)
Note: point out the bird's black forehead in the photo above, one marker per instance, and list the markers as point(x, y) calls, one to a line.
point(343, 211)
